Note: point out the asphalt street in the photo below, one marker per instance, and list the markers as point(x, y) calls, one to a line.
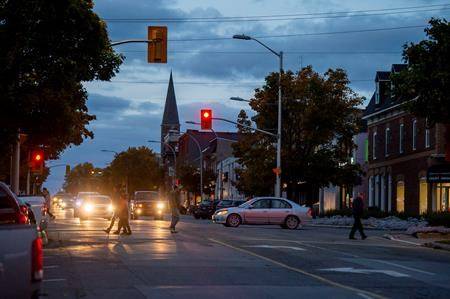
point(206, 260)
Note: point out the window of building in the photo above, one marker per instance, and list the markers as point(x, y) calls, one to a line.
point(423, 195)
point(366, 150)
point(377, 93)
point(374, 145)
point(401, 135)
point(400, 196)
point(387, 141)
point(414, 133)
point(427, 138)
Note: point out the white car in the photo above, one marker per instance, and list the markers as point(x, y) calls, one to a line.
point(264, 210)
point(37, 205)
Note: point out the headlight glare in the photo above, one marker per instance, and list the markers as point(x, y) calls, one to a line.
point(88, 208)
point(160, 205)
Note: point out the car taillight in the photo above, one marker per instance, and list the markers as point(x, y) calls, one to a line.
point(37, 260)
point(23, 219)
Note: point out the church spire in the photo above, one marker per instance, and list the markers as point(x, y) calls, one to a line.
point(170, 116)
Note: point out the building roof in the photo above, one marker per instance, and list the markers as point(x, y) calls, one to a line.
point(384, 76)
point(170, 116)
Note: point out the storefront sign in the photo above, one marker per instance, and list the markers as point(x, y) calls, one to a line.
point(439, 174)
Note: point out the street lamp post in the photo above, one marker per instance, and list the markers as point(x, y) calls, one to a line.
point(280, 57)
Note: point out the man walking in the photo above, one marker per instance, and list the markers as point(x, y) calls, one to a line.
point(116, 206)
point(174, 208)
point(48, 202)
point(358, 208)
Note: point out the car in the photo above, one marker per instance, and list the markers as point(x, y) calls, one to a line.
point(81, 196)
point(227, 203)
point(205, 209)
point(148, 203)
point(264, 210)
point(99, 206)
point(66, 201)
point(21, 251)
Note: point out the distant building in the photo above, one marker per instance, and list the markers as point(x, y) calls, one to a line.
point(227, 179)
point(402, 149)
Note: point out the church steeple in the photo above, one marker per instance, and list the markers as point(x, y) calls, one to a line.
point(170, 116)
point(170, 120)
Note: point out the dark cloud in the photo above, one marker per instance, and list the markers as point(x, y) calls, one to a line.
point(100, 104)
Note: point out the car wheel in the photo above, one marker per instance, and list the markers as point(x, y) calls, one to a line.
point(291, 222)
point(234, 220)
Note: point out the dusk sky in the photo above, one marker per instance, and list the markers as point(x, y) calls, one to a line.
point(209, 67)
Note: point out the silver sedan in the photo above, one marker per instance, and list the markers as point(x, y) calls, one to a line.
point(264, 210)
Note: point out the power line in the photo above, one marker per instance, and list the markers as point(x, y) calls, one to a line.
point(268, 53)
point(300, 34)
point(286, 17)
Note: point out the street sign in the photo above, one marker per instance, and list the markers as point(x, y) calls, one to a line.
point(157, 50)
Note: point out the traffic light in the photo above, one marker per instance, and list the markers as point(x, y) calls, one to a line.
point(157, 50)
point(206, 119)
point(37, 161)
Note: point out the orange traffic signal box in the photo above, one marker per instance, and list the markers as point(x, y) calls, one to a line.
point(157, 50)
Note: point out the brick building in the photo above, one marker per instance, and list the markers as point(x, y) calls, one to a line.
point(401, 152)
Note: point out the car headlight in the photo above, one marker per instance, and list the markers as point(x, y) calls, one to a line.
point(110, 208)
point(222, 212)
point(138, 211)
point(63, 204)
point(139, 205)
point(160, 205)
point(88, 208)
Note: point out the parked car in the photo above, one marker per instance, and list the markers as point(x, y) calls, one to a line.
point(65, 201)
point(148, 203)
point(264, 210)
point(227, 203)
point(205, 209)
point(99, 206)
point(81, 196)
point(21, 252)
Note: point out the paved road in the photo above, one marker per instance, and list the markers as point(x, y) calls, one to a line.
point(205, 260)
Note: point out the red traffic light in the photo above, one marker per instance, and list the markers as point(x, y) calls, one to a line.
point(206, 119)
point(37, 161)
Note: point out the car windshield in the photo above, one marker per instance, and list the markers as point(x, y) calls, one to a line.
point(99, 199)
point(206, 202)
point(226, 203)
point(144, 196)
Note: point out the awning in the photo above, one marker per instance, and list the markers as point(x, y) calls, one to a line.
point(439, 173)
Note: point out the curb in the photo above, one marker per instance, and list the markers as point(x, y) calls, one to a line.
point(436, 245)
point(349, 227)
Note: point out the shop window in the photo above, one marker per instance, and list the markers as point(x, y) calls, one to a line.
point(423, 196)
point(400, 196)
point(443, 197)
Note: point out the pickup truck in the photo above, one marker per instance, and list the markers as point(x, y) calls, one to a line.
point(21, 252)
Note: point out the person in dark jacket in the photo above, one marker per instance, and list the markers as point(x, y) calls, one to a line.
point(123, 214)
point(174, 201)
point(358, 209)
point(115, 203)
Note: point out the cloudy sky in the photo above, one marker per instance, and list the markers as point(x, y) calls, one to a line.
point(209, 67)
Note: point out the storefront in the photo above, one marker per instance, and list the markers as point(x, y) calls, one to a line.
point(438, 176)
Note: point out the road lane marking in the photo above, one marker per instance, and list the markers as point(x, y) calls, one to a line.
point(364, 296)
point(315, 276)
point(366, 271)
point(392, 238)
point(277, 247)
point(51, 267)
point(54, 280)
point(404, 267)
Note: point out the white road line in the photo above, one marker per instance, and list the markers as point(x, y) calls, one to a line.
point(51, 267)
point(365, 296)
point(404, 267)
point(392, 238)
point(366, 271)
point(276, 247)
point(54, 280)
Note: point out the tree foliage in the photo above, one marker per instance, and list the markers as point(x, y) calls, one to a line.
point(426, 80)
point(320, 117)
point(189, 177)
point(84, 177)
point(138, 167)
point(48, 48)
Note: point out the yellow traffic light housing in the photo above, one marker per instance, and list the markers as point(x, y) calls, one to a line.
point(157, 50)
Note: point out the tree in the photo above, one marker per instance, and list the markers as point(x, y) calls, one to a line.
point(48, 48)
point(84, 177)
point(424, 84)
point(320, 118)
point(138, 168)
point(189, 177)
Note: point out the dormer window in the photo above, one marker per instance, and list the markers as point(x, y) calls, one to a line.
point(377, 93)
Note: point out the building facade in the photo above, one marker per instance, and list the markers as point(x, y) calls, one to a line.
point(402, 149)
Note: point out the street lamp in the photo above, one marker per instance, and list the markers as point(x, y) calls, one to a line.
point(238, 99)
point(280, 57)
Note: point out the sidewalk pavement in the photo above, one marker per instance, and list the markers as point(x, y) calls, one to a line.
point(433, 242)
